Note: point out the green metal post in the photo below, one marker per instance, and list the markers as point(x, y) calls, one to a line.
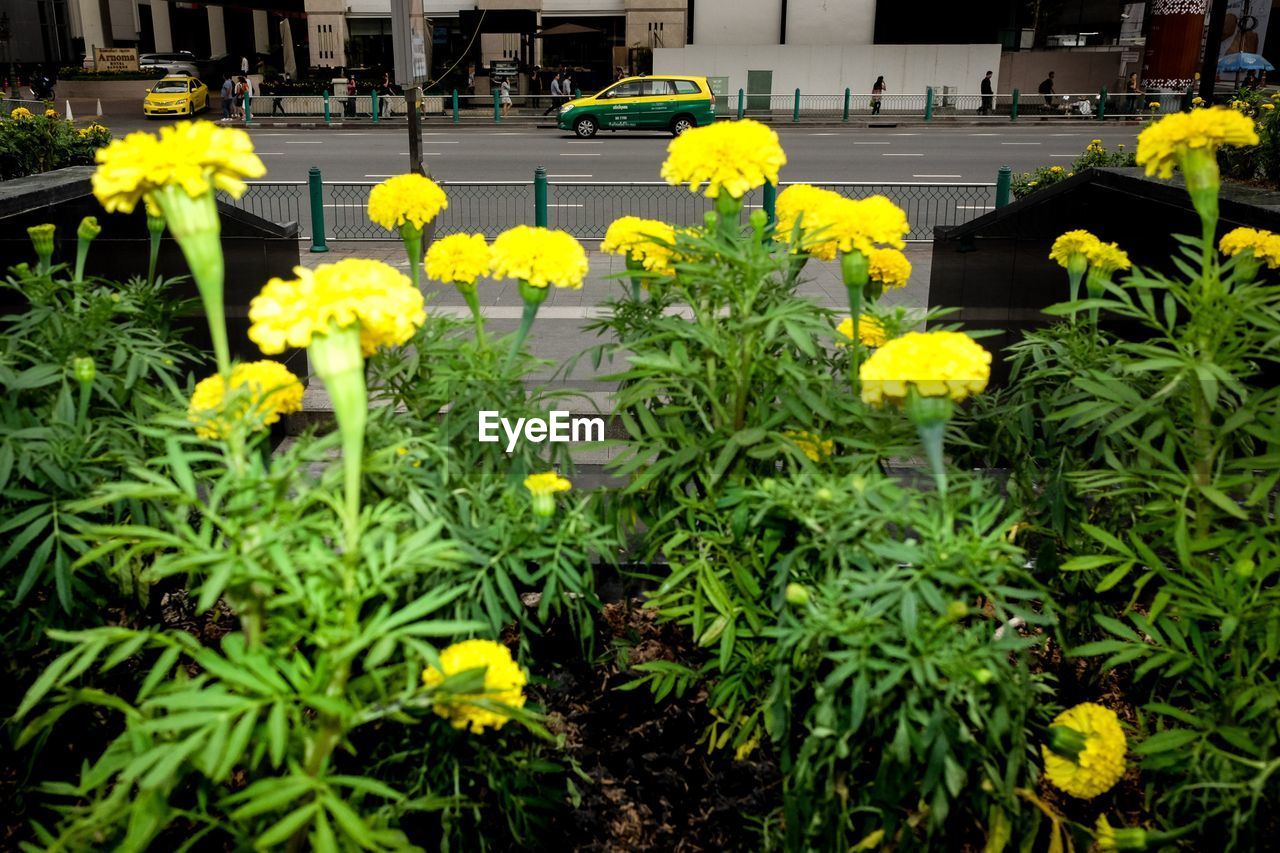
point(770, 201)
point(1004, 183)
point(1102, 104)
point(742, 96)
point(248, 108)
point(1013, 107)
point(928, 103)
point(497, 109)
point(374, 108)
point(577, 93)
point(540, 197)
point(326, 107)
point(1186, 98)
point(455, 106)
point(317, 210)
point(847, 93)
point(795, 109)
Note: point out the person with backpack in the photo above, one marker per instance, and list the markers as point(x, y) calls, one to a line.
point(877, 93)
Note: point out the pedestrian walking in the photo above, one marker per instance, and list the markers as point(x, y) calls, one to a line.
point(535, 86)
point(504, 96)
point(1132, 93)
point(349, 105)
point(385, 93)
point(566, 86)
point(244, 65)
point(877, 94)
point(227, 95)
point(988, 96)
point(1046, 89)
point(277, 107)
point(556, 91)
point(242, 91)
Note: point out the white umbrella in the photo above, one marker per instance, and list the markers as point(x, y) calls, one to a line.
point(286, 43)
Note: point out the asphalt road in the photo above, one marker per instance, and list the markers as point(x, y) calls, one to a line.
point(910, 155)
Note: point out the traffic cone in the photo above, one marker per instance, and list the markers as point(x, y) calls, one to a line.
point(99, 113)
point(70, 117)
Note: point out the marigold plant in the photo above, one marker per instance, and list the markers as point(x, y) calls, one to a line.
point(503, 684)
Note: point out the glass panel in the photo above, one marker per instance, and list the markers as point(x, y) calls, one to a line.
point(686, 87)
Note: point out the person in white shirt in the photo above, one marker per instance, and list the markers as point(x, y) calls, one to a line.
point(556, 93)
point(244, 65)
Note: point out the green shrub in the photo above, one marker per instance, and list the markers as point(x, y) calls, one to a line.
point(41, 143)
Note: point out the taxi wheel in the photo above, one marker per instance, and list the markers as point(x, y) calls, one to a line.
point(680, 124)
point(585, 127)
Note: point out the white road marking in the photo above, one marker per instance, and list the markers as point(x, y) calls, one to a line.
point(984, 134)
point(568, 176)
point(579, 154)
point(1064, 155)
point(1019, 143)
point(824, 134)
point(904, 134)
point(937, 176)
point(269, 153)
point(304, 142)
point(887, 154)
point(379, 176)
point(1066, 134)
point(873, 143)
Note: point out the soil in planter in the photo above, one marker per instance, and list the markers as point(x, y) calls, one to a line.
point(653, 785)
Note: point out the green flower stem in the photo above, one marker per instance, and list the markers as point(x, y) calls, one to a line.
point(155, 230)
point(412, 236)
point(633, 267)
point(1066, 742)
point(1076, 266)
point(339, 362)
point(1095, 287)
point(194, 223)
point(1200, 170)
point(533, 297)
point(86, 395)
point(854, 270)
point(930, 415)
point(729, 210)
point(82, 254)
point(472, 298)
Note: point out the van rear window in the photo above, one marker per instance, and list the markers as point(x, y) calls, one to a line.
point(686, 87)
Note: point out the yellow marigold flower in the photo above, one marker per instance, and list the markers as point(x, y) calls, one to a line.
point(50, 113)
point(1268, 106)
point(812, 446)
point(1095, 141)
point(1033, 183)
point(539, 257)
point(269, 391)
point(870, 331)
point(1055, 169)
point(406, 198)
point(729, 156)
point(1197, 101)
point(194, 155)
point(1078, 242)
point(458, 258)
point(648, 242)
point(20, 113)
point(1093, 735)
point(1264, 245)
point(889, 267)
point(547, 483)
point(379, 299)
point(816, 210)
point(937, 364)
point(1161, 144)
point(1154, 105)
point(1106, 258)
point(865, 223)
point(504, 683)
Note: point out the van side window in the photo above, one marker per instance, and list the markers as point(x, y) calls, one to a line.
point(659, 88)
point(625, 90)
point(686, 87)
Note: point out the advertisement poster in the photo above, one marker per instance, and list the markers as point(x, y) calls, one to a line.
point(1245, 26)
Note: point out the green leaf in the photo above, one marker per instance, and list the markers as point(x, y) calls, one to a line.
point(1166, 741)
point(282, 830)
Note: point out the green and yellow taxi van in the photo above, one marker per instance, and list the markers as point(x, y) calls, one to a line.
point(672, 102)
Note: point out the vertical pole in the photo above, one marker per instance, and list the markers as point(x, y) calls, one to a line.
point(1013, 107)
point(248, 108)
point(497, 109)
point(326, 107)
point(374, 105)
point(455, 106)
point(413, 104)
point(847, 93)
point(741, 103)
point(795, 109)
point(1004, 183)
point(317, 210)
point(928, 103)
point(770, 201)
point(1186, 98)
point(1102, 104)
point(540, 197)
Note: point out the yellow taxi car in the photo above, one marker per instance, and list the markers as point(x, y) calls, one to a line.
point(673, 103)
point(176, 95)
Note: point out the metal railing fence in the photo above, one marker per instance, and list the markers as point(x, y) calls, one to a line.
point(583, 209)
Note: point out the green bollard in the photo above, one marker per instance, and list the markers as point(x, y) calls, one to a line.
point(248, 108)
point(497, 109)
point(770, 201)
point(317, 210)
point(455, 106)
point(928, 103)
point(741, 103)
point(1004, 185)
point(1013, 107)
point(847, 93)
point(1186, 98)
point(795, 109)
point(540, 197)
point(326, 108)
point(1102, 103)
point(374, 106)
